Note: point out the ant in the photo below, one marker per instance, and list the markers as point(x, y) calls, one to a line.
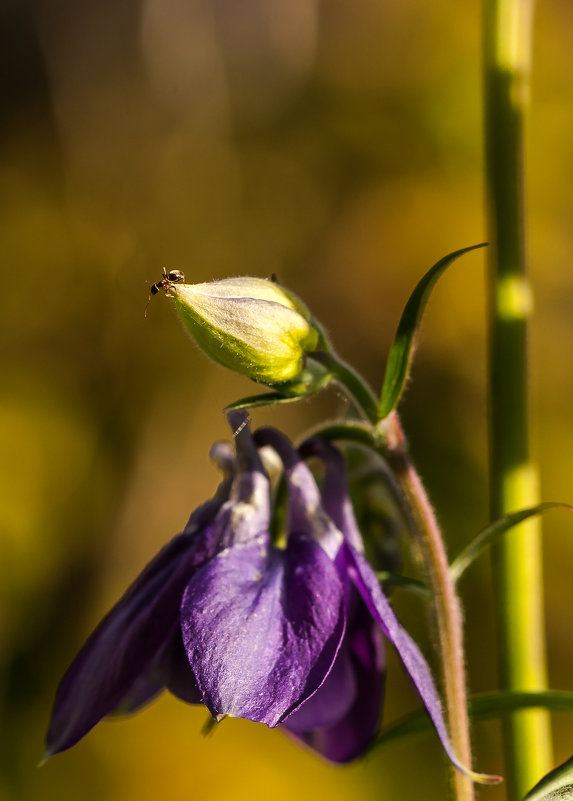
point(169, 278)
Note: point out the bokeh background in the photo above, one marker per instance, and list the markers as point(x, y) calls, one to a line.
point(339, 145)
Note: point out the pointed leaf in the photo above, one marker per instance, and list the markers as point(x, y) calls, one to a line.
point(494, 530)
point(402, 349)
point(556, 786)
point(485, 706)
point(309, 382)
point(407, 583)
point(265, 399)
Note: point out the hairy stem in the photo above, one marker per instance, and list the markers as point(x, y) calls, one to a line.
point(387, 438)
point(446, 604)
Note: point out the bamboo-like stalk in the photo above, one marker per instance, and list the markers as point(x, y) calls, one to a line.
point(517, 560)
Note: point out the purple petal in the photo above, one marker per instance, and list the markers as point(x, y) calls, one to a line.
point(368, 586)
point(170, 670)
point(334, 491)
point(306, 513)
point(261, 628)
point(144, 689)
point(246, 515)
point(357, 678)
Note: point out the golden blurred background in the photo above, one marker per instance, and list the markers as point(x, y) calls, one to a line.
point(338, 145)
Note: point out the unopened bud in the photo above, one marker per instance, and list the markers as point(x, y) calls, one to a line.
point(251, 325)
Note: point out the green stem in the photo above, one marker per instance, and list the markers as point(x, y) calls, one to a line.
point(517, 558)
point(348, 378)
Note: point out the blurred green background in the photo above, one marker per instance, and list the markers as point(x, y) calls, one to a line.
point(339, 145)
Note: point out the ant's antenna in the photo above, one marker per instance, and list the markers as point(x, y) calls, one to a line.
point(148, 301)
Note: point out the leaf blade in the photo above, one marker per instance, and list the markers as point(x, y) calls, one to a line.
point(485, 706)
point(486, 536)
point(264, 399)
point(401, 351)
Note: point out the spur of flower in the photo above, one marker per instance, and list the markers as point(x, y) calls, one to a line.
point(223, 616)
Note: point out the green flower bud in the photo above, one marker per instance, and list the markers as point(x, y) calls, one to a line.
point(251, 325)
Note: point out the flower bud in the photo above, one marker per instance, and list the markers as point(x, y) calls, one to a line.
point(251, 325)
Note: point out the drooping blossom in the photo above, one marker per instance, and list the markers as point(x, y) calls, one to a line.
point(219, 617)
point(224, 617)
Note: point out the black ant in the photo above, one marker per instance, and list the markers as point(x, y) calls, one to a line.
point(169, 278)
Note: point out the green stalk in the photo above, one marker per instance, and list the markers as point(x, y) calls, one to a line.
point(517, 560)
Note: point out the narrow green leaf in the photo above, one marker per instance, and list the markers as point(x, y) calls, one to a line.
point(309, 381)
point(266, 399)
point(402, 349)
point(411, 584)
point(485, 706)
point(556, 786)
point(494, 530)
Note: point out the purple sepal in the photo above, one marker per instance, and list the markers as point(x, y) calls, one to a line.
point(177, 673)
point(122, 647)
point(119, 667)
point(262, 627)
point(368, 586)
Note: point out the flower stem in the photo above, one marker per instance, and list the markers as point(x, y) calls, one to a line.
point(517, 560)
point(387, 438)
point(446, 604)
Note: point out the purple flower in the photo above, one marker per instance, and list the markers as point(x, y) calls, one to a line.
point(219, 617)
point(224, 617)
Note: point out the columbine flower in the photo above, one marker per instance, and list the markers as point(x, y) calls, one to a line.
point(223, 617)
point(258, 642)
point(253, 326)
